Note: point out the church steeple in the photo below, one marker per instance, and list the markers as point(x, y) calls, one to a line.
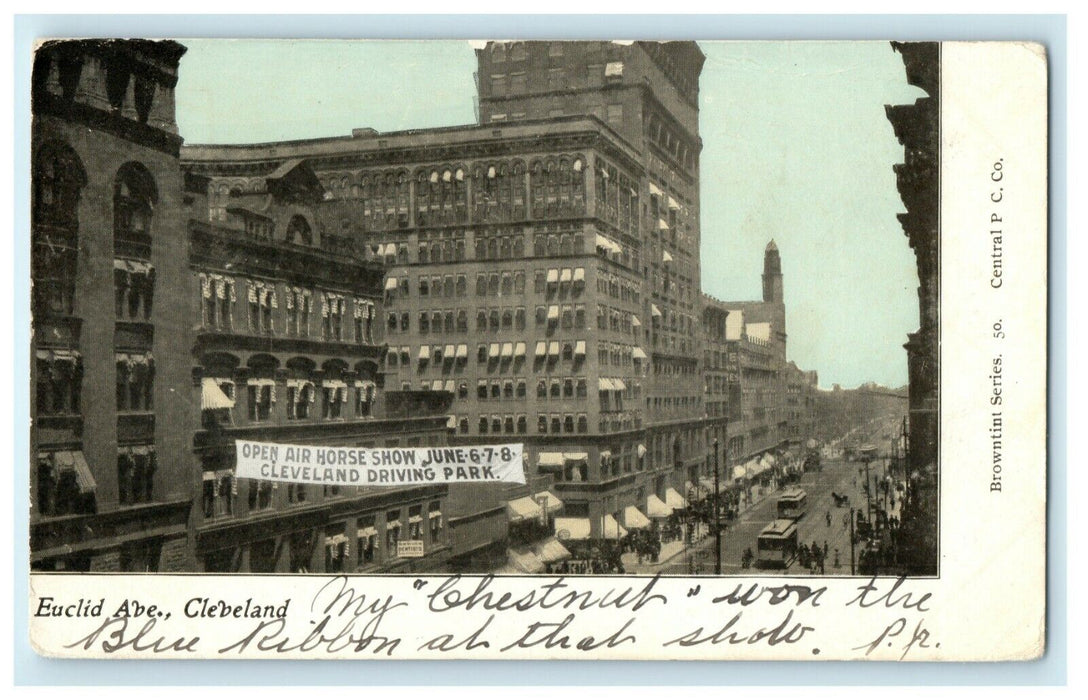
point(772, 275)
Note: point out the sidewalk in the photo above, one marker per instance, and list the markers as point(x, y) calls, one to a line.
point(671, 552)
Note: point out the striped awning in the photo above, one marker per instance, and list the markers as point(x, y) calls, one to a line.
point(521, 509)
point(71, 461)
point(212, 397)
point(551, 551)
point(541, 348)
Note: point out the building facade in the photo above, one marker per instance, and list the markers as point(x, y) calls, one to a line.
point(771, 403)
point(917, 126)
point(289, 349)
point(109, 483)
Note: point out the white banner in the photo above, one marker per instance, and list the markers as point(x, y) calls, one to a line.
point(379, 466)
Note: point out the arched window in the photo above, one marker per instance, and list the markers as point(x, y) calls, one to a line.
point(57, 180)
point(134, 198)
point(298, 231)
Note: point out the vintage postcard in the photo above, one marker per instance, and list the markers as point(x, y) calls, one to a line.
point(538, 350)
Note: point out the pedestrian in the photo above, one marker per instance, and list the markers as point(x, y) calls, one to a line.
point(827, 516)
point(836, 557)
point(825, 549)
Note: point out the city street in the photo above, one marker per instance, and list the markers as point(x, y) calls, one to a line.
point(838, 477)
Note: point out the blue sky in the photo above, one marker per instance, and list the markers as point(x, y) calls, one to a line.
point(795, 147)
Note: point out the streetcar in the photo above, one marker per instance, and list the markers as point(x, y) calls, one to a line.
point(776, 545)
point(792, 503)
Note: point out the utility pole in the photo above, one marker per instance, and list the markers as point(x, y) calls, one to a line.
point(717, 516)
point(851, 541)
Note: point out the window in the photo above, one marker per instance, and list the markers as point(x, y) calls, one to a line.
point(260, 495)
point(59, 383)
point(134, 198)
point(261, 395)
point(519, 319)
point(135, 474)
point(298, 231)
point(218, 494)
point(296, 493)
point(542, 424)
point(483, 425)
point(135, 381)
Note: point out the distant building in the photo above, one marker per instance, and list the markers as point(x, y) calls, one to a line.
point(770, 402)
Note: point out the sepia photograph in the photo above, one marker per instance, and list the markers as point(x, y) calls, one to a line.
point(496, 307)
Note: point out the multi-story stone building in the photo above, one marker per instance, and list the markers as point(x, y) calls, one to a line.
point(110, 480)
point(289, 349)
point(542, 269)
point(917, 126)
point(770, 402)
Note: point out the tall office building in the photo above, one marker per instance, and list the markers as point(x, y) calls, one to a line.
point(110, 487)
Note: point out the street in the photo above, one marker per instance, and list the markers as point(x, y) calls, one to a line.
point(838, 477)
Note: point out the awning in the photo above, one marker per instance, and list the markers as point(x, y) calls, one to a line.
point(635, 322)
point(641, 450)
point(493, 350)
point(550, 502)
point(656, 508)
point(541, 348)
point(390, 283)
point(605, 384)
point(575, 456)
point(619, 385)
point(662, 225)
point(579, 274)
point(565, 275)
point(451, 422)
point(654, 311)
point(673, 204)
point(415, 518)
point(462, 351)
point(613, 69)
point(212, 397)
point(579, 528)
point(448, 386)
point(607, 244)
point(436, 385)
point(549, 459)
point(572, 528)
point(336, 540)
point(605, 454)
point(551, 551)
point(634, 519)
point(579, 348)
point(522, 509)
point(424, 352)
point(738, 471)
point(639, 354)
point(666, 257)
point(449, 351)
point(72, 461)
point(553, 312)
point(134, 267)
point(553, 275)
point(656, 191)
point(553, 348)
point(524, 561)
point(612, 529)
point(674, 500)
point(364, 532)
point(507, 350)
point(392, 524)
point(519, 349)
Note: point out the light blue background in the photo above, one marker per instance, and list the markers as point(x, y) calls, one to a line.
point(1050, 30)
